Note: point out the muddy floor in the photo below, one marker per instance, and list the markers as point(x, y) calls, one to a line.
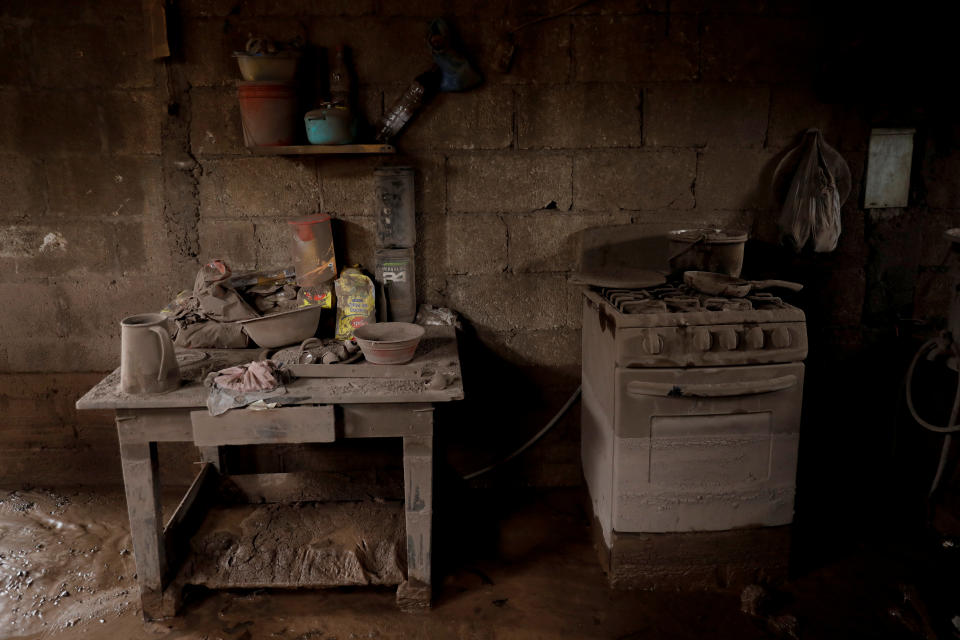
point(66, 571)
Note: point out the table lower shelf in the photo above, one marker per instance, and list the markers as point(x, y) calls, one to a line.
point(299, 545)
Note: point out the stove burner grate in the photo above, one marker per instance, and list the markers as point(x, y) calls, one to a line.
point(680, 298)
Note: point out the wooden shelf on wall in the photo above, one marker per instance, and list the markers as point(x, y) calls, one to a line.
point(325, 149)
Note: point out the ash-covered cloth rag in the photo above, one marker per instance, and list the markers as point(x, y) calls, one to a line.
point(253, 376)
point(243, 385)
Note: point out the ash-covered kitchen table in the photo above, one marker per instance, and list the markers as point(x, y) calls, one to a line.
point(314, 410)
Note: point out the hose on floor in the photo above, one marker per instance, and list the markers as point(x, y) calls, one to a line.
point(952, 426)
point(532, 441)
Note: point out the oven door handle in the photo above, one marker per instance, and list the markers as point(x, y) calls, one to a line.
point(715, 390)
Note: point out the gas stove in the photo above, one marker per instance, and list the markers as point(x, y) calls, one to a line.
point(690, 421)
point(676, 326)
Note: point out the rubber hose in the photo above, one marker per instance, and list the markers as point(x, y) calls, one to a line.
point(529, 443)
point(952, 425)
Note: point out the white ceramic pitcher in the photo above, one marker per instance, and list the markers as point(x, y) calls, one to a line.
point(148, 363)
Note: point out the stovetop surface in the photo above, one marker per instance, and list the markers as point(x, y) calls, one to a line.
point(680, 305)
point(680, 298)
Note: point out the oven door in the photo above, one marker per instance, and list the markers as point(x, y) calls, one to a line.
point(706, 449)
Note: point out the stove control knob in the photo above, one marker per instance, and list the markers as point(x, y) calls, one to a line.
point(780, 337)
point(702, 340)
point(754, 339)
point(727, 339)
point(653, 343)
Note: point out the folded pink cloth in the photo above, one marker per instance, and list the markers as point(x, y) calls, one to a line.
point(253, 376)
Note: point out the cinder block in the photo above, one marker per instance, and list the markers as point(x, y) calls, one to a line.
point(543, 54)
point(932, 223)
point(59, 247)
point(346, 187)
point(412, 8)
point(554, 348)
point(476, 9)
point(13, 47)
point(206, 8)
point(75, 465)
point(215, 122)
point(705, 115)
point(735, 179)
point(39, 411)
point(271, 241)
point(476, 243)
point(207, 59)
point(103, 186)
point(537, 8)
point(793, 111)
point(940, 177)
point(579, 115)
point(37, 314)
point(9, 107)
point(21, 189)
point(549, 240)
point(431, 258)
point(254, 187)
point(502, 302)
point(234, 241)
point(89, 311)
point(429, 182)
point(384, 51)
point(44, 122)
point(111, 54)
point(300, 8)
point(480, 183)
point(606, 180)
point(129, 121)
point(719, 6)
point(478, 119)
point(163, 250)
point(932, 297)
point(643, 48)
point(355, 240)
point(758, 49)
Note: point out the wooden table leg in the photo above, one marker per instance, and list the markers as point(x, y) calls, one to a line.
point(142, 484)
point(215, 456)
point(415, 593)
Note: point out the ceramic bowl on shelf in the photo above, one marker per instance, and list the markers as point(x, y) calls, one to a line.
point(278, 67)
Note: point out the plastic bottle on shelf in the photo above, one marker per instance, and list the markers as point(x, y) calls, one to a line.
point(398, 115)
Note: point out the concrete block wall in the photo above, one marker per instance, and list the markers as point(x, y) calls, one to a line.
point(120, 175)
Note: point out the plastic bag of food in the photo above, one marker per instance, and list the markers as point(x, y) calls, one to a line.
point(320, 296)
point(355, 302)
point(820, 185)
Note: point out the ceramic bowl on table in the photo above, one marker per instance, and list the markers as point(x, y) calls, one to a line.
point(389, 342)
point(281, 329)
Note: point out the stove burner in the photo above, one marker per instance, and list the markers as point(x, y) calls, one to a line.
point(682, 303)
point(727, 304)
point(643, 306)
point(765, 300)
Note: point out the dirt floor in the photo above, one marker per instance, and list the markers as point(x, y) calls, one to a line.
point(66, 571)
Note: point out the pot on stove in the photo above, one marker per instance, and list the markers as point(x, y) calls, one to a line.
point(713, 250)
